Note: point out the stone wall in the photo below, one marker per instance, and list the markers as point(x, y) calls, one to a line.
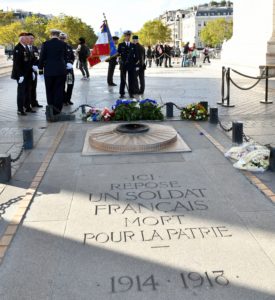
point(252, 31)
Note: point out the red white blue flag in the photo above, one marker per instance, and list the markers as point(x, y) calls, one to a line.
point(104, 46)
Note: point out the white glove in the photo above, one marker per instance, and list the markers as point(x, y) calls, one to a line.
point(41, 77)
point(21, 79)
point(69, 66)
point(137, 68)
point(33, 76)
point(35, 68)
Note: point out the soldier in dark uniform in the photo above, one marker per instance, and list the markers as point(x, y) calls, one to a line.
point(140, 81)
point(52, 63)
point(70, 71)
point(128, 63)
point(112, 65)
point(22, 73)
point(33, 84)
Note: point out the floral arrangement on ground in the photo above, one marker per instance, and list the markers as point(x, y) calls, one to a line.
point(126, 110)
point(194, 112)
point(250, 156)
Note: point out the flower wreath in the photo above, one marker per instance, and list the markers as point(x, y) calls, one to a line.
point(194, 112)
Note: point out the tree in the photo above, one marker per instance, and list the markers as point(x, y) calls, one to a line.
point(6, 17)
point(74, 28)
point(153, 32)
point(216, 31)
point(37, 26)
point(9, 33)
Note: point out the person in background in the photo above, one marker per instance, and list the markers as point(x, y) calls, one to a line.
point(149, 56)
point(194, 54)
point(128, 63)
point(186, 50)
point(206, 54)
point(159, 54)
point(53, 63)
point(112, 65)
point(33, 83)
point(22, 72)
point(83, 53)
point(140, 80)
point(167, 53)
point(70, 71)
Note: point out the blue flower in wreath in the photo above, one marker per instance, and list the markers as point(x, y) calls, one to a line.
point(154, 102)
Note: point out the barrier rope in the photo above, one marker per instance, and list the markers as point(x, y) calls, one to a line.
point(224, 128)
point(74, 111)
point(253, 77)
point(259, 78)
point(18, 156)
point(178, 107)
point(7, 204)
point(242, 88)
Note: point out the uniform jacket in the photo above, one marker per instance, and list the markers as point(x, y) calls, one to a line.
point(141, 55)
point(34, 55)
point(128, 56)
point(70, 54)
point(53, 58)
point(22, 64)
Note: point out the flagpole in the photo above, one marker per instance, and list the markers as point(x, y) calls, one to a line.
point(124, 77)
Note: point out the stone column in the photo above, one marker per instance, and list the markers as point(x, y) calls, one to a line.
point(270, 55)
point(253, 40)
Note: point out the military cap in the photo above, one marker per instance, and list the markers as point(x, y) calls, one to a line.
point(23, 34)
point(135, 37)
point(55, 32)
point(127, 32)
point(115, 38)
point(81, 40)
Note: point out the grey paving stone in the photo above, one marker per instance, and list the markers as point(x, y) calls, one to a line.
point(150, 226)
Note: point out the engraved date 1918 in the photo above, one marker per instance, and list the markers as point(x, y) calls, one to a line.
point(188, 280)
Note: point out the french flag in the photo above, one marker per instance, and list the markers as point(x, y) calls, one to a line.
point(104, 46)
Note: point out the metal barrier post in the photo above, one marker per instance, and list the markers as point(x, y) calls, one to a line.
point(272, 159)
point(237, 132)
point(266, 87)
point(223, 74)
point(213, 118)
point(169, 110)
point(28, 138)
point(5, 168)
point(228, 89)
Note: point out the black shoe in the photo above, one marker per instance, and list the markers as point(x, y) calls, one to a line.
point(65, 103)
point(30, 110)
point(21, 113)
point(112, 84)
point(131, 96)
point(37, 105)
point(122, 96)
point(170, 66)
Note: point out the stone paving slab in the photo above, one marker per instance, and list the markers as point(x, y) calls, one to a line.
point(143, 227)
point(203, 232)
